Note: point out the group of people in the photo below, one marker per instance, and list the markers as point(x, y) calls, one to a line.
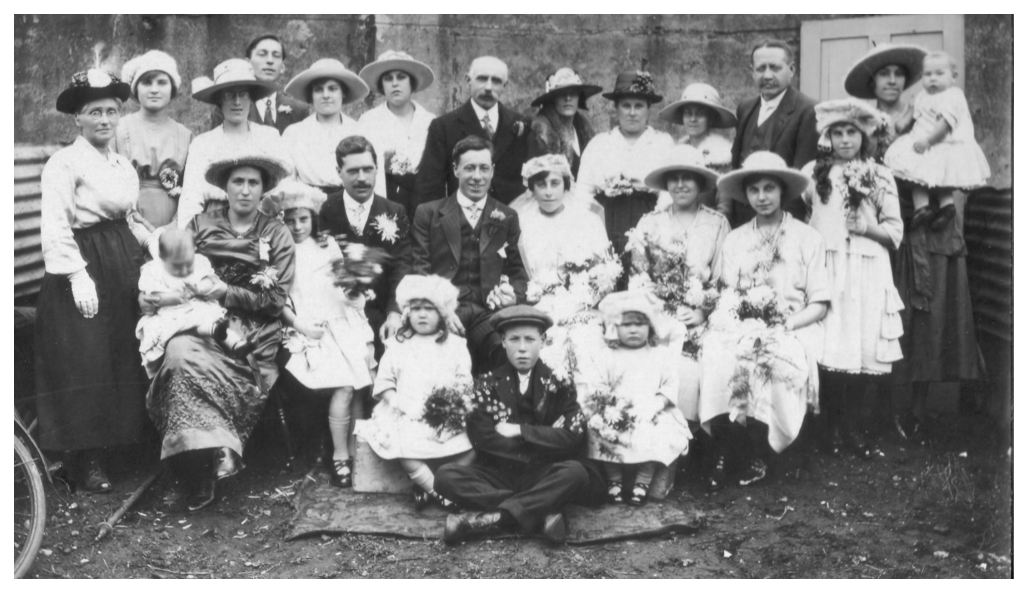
point(544, 314)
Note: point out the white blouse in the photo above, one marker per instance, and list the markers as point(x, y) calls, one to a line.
point(387, 132)
point(312, 147)
point(610, 154)
point(547, 241)
point(81, 186)
point(213, 145)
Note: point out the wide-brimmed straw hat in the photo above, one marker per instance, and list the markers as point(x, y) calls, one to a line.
point(292, 193)
point(681, 157)
point(152, 61)
point(332, 68)
point(853, 111)
point(230, 74)
point(616, 304)
point(860, 78)
point(273, 167)
point(421, 74)
point(762, 163)
point(636, 84)
point(563, 81)
point(90, 85)
point(435, 289)
point(700, 93)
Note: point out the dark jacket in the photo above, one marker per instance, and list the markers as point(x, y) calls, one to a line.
point(296, 111)
point(545, 139)
point(552, 424)
point(333, 219)
point(435, 178)
point(795, 133)
point(437, 243)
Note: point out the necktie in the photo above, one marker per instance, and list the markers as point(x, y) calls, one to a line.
point(357, 219)
point(488, 126)
point(473, 212)
point(269, 117)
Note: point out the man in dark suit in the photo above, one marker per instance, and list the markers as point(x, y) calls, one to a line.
point(357, 215)
point(529, 457)
point(472, 240)
point(482, 115)
point(781, 120)
point(267, 55)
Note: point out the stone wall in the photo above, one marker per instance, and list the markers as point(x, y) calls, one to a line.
point(677, 49)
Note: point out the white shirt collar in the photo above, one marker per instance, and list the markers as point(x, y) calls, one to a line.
point(466, 202)
point(352, 204)
point(523, 381)
point(494, 113)
point(771, 104)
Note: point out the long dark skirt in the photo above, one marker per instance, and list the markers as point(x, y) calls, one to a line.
point(202, 398)
point(89, 380)
point(930, 272)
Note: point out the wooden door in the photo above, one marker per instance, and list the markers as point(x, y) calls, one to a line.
point(829, 48)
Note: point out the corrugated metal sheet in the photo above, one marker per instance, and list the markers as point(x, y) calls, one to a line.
point(989, 231)
point(28, 254)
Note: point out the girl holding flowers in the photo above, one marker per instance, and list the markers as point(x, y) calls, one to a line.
point(421, 356)
point(855, 207)
point(632, 419)
point(673, 251)
point(330, 341)
point(760, 354)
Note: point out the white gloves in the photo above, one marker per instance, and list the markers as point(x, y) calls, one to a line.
point(83, 291)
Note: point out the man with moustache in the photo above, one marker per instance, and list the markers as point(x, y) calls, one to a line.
point(781, 120)
point(482, 115)
point(529, 458)
point(472, 239)
point(267, 55)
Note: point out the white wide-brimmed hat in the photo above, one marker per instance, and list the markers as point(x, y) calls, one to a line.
point(853, 111)
point(566, 80)
point(328, 68)
point(273, 167)
point(435, 289)
point(616, 304)
point(152, 61)
point(767, 163)
point(681, 157)
point(233, 73)
point(421, 74)
point(700, 93)
point(292, 193)
point(860, 78)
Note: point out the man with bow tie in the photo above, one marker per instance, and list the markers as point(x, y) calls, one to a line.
point(781, 119)
point(482, 115)
point(472, 240)
point(357, 215)
point(267, 55)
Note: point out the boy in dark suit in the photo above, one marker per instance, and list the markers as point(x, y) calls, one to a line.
point(529, 463)
point(482, 115)
point(471, 239)
point(267, 55)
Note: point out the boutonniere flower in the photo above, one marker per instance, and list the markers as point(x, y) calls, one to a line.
point(264, 249)
point(519, 128)
point(497, 216)
point(170, 179)
point(502, 251)
point(387, 228)
point(285, 108)
point(266, 278)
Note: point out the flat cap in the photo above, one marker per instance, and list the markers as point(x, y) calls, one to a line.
point(521, 315)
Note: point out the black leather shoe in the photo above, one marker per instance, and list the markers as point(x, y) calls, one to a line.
point(94, 478)
point(637, 497)
point(201, 496)
point(421, 499)
point(226, 463)
point(555, 529)
point(614, 491)
point(444, 503)
point(341, 471)
point(465, 526)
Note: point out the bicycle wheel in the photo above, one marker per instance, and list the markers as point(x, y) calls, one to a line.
point(29, 508)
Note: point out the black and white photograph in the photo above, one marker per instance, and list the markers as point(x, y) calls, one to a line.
point(513, 296)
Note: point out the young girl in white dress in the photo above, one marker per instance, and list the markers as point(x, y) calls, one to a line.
point(940, 154)
point(855, 207)
point(332, 349)
point(643, 380)
point(176, 283)
point(422, 356)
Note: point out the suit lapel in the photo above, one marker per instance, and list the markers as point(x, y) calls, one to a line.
point(781, 115)
point(504, 132)
point(376, 209)
point(449, 214)
point(487, 228)
point(469, 121)
point(507, 389)
point(540, 376)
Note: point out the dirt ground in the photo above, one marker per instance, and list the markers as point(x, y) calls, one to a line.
point(938, 507)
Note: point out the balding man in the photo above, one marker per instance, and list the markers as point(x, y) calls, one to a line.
point(482, 115)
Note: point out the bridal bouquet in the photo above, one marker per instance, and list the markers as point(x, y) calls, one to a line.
point(754, 307)
point(359, 268)
point(446, 408)
point(622, 186)
point(611, 419)
point(859, 178)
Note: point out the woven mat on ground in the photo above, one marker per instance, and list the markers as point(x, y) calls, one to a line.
point(322, 508)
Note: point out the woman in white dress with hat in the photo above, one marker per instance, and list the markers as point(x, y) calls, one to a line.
point(233, 89)
point(327, 85)
point(761, 350)
point(398, 127)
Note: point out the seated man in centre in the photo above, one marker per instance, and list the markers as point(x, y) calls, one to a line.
point(528, 433)
point(471, 240)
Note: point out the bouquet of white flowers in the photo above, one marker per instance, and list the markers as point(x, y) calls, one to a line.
point(446, 408)
point(611, 420)
point(621, 185)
